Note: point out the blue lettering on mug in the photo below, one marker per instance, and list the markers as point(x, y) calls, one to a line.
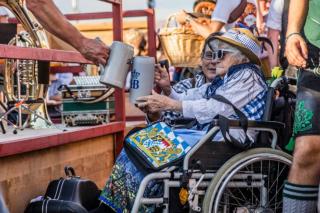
point(134, 84)
point(134, 79)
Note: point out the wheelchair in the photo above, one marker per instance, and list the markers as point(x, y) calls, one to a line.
point(218, 177)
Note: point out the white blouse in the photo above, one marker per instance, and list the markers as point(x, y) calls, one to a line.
point(239, 89)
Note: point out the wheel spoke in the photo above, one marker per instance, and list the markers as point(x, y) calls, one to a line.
point(277, 178)
point(251, 198)
point(249, 180)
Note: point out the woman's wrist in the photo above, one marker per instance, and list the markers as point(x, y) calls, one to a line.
point(153, 116)
point(175, 105)
point(289, 35)
point(166, 90)
point(188, 19)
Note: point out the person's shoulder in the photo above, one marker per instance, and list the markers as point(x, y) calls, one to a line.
point(252, 68)
point(244, 71)
point(183, 85)
point(184, 81)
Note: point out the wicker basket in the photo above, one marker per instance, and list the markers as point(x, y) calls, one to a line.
point(181, 45)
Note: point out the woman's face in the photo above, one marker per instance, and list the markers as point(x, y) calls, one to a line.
point(217, 62)
point(208, 67)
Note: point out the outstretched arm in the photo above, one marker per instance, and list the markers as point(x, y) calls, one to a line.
point(54, 21)
point(201, 29)
point(206, 30)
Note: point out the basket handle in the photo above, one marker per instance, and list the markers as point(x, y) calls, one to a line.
point(172, 17)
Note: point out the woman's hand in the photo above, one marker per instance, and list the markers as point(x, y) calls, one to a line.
point(157, 103)
point(162, 79)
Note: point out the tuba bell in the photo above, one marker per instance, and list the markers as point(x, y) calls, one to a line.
point(23, 79)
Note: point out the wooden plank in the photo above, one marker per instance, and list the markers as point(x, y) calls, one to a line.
point(152, 49)
point(112, 1)
point(117, 22)
point(22, 145)
point(13, 52)
point(63, 69)
point(102, 15)
point(89, 16)
point(26, 176)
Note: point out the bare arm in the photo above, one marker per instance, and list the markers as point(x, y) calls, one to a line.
point(297, 14)
point(202, 29)
point(296, 48)
point(54, 21)
point(260, 21)
point(206, 30)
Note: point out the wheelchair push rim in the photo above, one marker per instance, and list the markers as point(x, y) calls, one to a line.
point(251, 181)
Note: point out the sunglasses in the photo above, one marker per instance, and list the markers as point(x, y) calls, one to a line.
point(216, 55)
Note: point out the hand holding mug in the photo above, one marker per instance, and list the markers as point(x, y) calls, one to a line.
point(162, 79)
point(157, 103)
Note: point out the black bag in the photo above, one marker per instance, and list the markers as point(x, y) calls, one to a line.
point(55, 206)
point(82, 192)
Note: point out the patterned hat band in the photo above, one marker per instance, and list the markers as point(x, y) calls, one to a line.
point(244, 39)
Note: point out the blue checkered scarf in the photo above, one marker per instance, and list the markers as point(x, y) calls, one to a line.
point(254, 109)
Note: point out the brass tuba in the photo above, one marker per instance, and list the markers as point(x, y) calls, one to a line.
point(22, 80)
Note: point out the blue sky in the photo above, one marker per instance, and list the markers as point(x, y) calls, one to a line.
point(163, 7)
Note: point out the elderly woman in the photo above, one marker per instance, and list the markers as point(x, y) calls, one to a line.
point(232, 59)
point(204, 75)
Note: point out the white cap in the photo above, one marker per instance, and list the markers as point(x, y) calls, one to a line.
point(3, 11)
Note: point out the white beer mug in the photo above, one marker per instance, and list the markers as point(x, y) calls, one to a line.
point(142, 77)
point(115, 72)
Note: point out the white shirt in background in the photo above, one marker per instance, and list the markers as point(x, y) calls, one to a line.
point(3, 11)
point(274, 19)
point(224, 8)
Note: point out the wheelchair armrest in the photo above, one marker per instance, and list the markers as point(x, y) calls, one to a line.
point(255, 124)
point(265, 124)
point(183, 123)
point(268, 126)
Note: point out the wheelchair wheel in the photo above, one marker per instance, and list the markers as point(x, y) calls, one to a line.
point(251, 181)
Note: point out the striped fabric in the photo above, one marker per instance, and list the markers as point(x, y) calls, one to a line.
point(300, 192)
point(186, 84)
point(180, 87)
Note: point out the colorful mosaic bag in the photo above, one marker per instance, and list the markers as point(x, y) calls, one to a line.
point(155, 147)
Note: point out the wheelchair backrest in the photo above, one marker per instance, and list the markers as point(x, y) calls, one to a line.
point(280, 105)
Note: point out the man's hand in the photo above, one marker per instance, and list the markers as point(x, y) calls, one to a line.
point(296, 51)
point(157, 103)
point(95, 51)
point(162, 79)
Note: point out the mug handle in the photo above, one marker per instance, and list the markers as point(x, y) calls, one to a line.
point(102, 69)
